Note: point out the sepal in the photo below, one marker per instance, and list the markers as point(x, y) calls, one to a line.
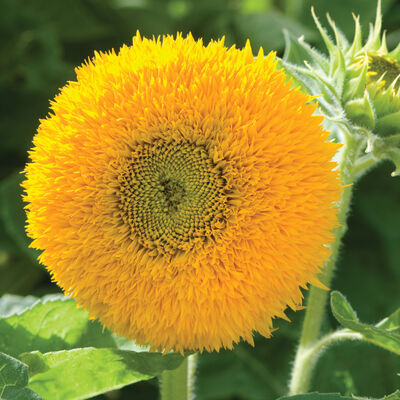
point(355, 86)
point(361, 112)
point(388, 124)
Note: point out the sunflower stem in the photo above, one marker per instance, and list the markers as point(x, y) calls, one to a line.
point(306, 359)
point(363, 164)
point(310, 355)
point(178, 384)
point(331, 338)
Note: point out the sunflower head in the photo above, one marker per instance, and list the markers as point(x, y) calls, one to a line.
point(182, 193)
point(360, 82)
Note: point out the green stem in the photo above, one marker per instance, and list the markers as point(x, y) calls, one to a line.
point(362, 165)
point(178, 384)
point(317, 298)
point(312, 353)
point(192, 364)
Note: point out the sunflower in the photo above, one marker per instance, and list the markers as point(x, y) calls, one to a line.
point(182, 193)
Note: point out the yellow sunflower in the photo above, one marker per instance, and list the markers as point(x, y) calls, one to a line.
point(182, 193)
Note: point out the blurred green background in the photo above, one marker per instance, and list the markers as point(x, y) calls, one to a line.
point(41, 43)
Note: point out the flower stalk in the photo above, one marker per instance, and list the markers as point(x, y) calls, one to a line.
point(178, 384)
point(306, 356)
point(310, 355)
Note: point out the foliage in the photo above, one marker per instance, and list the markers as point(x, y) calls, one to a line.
point(14, 379)
point(68, 355)
point(384, 334)
point(42, 42)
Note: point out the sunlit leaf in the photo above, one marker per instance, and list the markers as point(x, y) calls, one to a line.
point(11, 304)
point(83, 373)
point(50, 325)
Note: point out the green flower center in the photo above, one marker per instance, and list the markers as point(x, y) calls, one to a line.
point(173, 196)
point(381, 65)
point(174, 193)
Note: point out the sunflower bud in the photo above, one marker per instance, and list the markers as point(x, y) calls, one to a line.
point(359, 84)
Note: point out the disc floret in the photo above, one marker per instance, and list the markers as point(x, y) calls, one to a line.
point(172, 195)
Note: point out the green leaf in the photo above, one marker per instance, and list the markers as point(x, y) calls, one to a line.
point(317, 396)
point(83, 373)
point(383, 337)
point(14, 379)
point(342, 310)
point(124, 344)
point(11, 304)
point(51, 324)
point(391, 323)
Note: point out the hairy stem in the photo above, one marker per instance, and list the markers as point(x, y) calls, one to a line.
point(178, 384)
point(362, 165)
point(310, 355)
point(317, 298)
point(334, 337)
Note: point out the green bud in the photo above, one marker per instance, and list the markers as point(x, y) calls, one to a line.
point(359, 83)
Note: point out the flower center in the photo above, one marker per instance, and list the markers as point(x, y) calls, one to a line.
point(173, 192)
point(173, 196)
point(379, 65)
